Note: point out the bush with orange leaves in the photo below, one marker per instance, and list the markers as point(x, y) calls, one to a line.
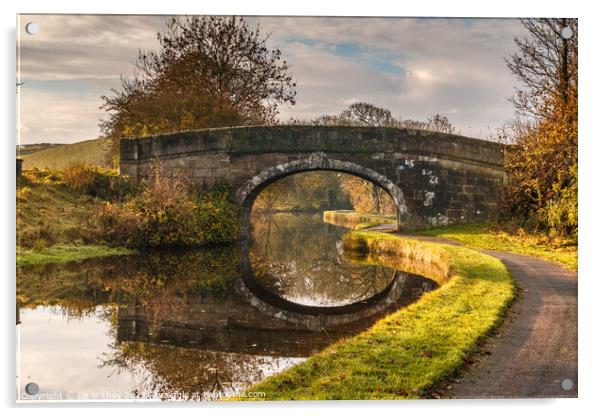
point(171, 212)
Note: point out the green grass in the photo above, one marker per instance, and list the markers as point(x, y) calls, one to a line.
point(489, 236)
point(357, 220)
point(66, 253)
point(407, 353)
point(88, 152)
point(512, 239)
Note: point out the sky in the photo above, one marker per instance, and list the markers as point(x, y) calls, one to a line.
point(415, 67)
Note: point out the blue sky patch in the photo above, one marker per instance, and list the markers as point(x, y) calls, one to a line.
point(378, 59)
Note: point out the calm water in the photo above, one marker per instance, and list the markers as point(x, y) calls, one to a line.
point(200, 324)
point(300, 258)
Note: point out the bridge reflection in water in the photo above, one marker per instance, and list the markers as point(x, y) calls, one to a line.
point(257, 314)
point(210, 321)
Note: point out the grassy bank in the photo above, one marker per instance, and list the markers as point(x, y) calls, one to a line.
point(84, 211)
point(512, 239)
point(65, 253)
point(408, 352)
point(50, 213)
point(56, 224)
point(356, 220)
point(489, 236)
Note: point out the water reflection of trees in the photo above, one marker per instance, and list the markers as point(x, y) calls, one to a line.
point(164, 338)
point(300, 258)
point(186, 373)
point(163, 286)
point(160, 281)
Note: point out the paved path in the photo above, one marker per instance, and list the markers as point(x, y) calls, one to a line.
point(536, 346)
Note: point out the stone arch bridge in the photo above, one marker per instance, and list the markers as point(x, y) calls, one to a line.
point(433, 178)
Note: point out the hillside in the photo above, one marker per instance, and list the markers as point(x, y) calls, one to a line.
point(88, 152)
point(26, 149)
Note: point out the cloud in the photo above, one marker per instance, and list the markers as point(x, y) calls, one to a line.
point(415, 67)
point(85, 46)
point(59, 116)
point(453, 66)
point(328, 82)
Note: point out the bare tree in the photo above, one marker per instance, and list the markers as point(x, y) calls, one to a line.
point(368, 115)
point(546, 65)
point(439, 122)
point(365, 114)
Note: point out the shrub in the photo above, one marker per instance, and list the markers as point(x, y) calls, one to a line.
point(23, 193)
point(542, 167)
point(38, 236)
point(560, 214)
point(106, 184)
point(171, 212)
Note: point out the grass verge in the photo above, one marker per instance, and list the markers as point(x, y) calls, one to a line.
point(65, 253)
point(512, 239)
point(414, 349)
point(357, 220)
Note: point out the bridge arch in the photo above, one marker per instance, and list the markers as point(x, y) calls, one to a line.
point(446, 179)
point(248, 192)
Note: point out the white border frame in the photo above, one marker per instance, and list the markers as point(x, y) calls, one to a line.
point(589, 153)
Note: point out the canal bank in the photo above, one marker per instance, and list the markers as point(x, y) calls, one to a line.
point(409, 352)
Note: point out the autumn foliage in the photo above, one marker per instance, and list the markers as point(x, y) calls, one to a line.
point(542, 158)
point(171, 212)
point(208, 72)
